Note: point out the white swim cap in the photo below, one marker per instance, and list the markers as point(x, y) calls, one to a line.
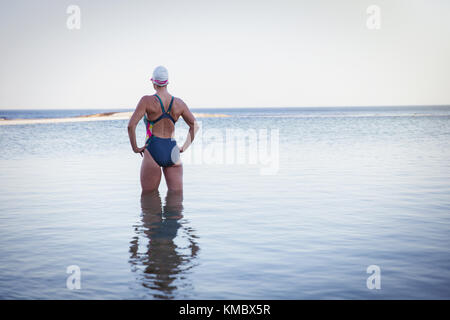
point(160, 76)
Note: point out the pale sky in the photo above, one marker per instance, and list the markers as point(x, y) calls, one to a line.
point(225, 53)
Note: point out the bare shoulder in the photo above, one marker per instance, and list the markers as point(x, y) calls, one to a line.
point(181, 104)
point(148, 98)
point(150, 102)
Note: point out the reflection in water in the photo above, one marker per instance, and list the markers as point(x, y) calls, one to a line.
point(164, 247)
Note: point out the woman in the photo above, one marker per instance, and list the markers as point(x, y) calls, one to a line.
point(160, 112)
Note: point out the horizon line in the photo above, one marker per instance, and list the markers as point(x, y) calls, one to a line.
point(284, 107)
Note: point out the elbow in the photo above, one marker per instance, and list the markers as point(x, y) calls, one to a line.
point(195, 126)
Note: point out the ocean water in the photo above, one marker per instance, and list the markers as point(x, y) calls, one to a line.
point(277, 204)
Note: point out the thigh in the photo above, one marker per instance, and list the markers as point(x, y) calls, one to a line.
point(150, 173)
point(174, 177)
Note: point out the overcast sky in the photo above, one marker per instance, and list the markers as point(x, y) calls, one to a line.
point(225, 53)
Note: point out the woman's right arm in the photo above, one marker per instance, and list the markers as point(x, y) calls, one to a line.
point(190, 120)
point(134, 120)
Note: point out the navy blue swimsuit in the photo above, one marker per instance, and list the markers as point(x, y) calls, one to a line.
point(163, 150)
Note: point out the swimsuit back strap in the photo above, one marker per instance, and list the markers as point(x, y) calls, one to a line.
point(160, 101)
point(163, 116)
point(170, 105)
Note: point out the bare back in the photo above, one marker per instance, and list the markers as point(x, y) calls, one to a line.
point(164, 128)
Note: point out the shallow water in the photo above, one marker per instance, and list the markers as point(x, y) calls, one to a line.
point(352, 187)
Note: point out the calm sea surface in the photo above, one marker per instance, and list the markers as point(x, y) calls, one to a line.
point(299, 210)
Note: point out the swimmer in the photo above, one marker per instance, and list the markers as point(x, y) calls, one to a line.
point(161, 153)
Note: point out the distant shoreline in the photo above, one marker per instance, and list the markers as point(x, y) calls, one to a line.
point(93, 117)
point(82, 115)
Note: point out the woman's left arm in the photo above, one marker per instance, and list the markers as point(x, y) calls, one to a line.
point(134, 120)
